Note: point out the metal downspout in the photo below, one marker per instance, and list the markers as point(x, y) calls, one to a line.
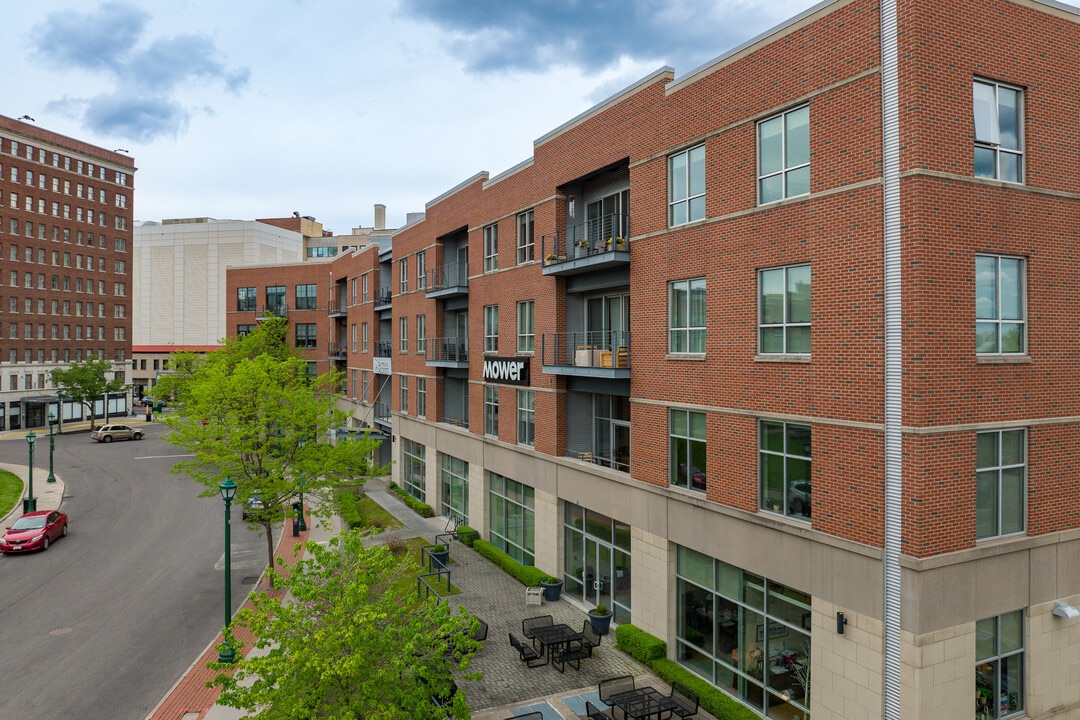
point(890, 118)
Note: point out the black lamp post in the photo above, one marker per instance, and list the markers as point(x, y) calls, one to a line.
point(228, 491)
point(30, 503)
point(52, 423)
point(302, 483)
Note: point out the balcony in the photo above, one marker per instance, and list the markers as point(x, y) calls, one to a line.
point(382, 414)
point(338, 350)
point(598, 354)
point(597, 244)
point(448, 281)
point(337, 309)
point(272, 310)
point(384, 348)
point(449, 352)
point(384, 299)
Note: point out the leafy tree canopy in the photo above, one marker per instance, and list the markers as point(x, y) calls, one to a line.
point(86, 382)
point(352, 641)
point(251, 412)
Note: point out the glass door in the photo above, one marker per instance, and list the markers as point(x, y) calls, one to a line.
point(598, 573)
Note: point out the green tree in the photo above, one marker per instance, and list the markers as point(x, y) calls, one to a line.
point(353, 640)
point(86, 382)
point(251, 412)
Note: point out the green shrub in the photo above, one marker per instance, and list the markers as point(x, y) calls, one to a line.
point(526, 574)
point(420, 508)
point(712, 699)
point(639, 644)
point(467, 535)
point(348, 509)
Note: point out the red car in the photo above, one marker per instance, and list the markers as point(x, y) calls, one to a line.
point(34, 531)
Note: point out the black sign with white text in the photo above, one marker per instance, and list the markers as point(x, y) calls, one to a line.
point(512, 371)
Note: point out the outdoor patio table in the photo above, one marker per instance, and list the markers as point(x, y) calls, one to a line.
point(643, 703)
point(554, 636)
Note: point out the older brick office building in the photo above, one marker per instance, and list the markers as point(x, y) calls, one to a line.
point(65, 244)
point(786, 338)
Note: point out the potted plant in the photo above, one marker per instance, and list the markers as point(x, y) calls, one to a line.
point(582, 247)
point(600, 619)
point(550, 259)
point(552, 588)
point(620, 243)
point(440, 553)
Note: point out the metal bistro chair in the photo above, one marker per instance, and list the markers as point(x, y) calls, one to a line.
point(685, 699)
point(528, 624)
point(594, 713)
point(615, 685)
point(589, 637)
point(528, 655)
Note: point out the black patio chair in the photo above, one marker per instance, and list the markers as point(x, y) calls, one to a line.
point(480, 634)
point(528, 624)
point(614, 686)
point(685, 699)
point(594, 713)
point(589, 637)
point(527, 653)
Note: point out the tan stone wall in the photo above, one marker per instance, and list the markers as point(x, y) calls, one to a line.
point(846, 669)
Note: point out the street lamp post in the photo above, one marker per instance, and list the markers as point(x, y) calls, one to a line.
point(228, 491)
point(302, 483)
point(52, 423)
point(30, 503)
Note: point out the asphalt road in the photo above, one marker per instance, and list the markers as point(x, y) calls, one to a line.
point(103, 623)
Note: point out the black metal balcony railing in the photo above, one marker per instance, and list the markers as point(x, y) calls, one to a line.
point(608, 349)
point(275, 309)
point(384, 297)
point(338, 349)
point(448, 276)
point(382, 412)
point(337, 307)
point(605, 234)
point(448, 349)
point(384, 348)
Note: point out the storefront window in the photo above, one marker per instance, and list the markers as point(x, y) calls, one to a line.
point(512, 526)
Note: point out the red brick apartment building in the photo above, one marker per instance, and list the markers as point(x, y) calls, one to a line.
point(65, 237)
point(774, 359)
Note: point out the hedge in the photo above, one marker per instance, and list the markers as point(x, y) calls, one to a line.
point(467, 535)
point(653, 652)
point(348, 510)
point(526, 574)
point(420, 508)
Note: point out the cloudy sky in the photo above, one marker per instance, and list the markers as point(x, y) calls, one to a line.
point(258, 108)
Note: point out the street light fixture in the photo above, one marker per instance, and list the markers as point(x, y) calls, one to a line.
point(30, 503)
point(228, 492)
point(52, 423)
point(302, 483)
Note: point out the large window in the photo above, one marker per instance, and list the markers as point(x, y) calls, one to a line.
point(415, 471)
point(785, 468)
point(275, 300)
point(305, 335)
point(512, 520)
point(421, 270)
point(491, 248)
point(305, 297)
point(999, 151)
point(686, 186)
point(363, 337)
point(491, 410)
point(784, 310)
point(403, 275)
point(454, 488)
point(744, 633)
point(686, 308)
point(421, 334)
point(687, 450)
point(421, 397)
point(403, 394)
point(1000, 478)
point(784, 155)
point(526, 417)
point(245, 299)
point(1000, 305)
point(999, 665)
point(403, 339)
point(526, 327)
point(491, 328)
point(525, 244)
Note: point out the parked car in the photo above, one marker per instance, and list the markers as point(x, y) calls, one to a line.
point(34, 531)
point(697, 478)
point(253, 508)
point(108, 433)
point(798, 498)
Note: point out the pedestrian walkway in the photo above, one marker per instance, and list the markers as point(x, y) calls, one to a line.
point(486, 592)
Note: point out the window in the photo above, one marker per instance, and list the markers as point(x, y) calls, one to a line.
point(421, 270)
point(686, 186)
point(512, 526)
point(421, 334)
point(245, 299)
point(354, 336)
point(421, 397)
point(305, 335)
point(491, 328)
point(491, 248)
point(1000, 305)
point(784, 310)
point(305, 297)
point(491, 410)
point(526, 327)
point(454, 488)
point(415, 471)
point(275, 300)
point(362, 397)
point(403, 394)
point(244, 330)
point(687, 450)
point(403, 275)
point(403, 326)
point(1000, 477)
point(526, 417)
point(363, 337)
point(784, 155)
point(999, 665)
point(364, 283)
point(785, 468)
point(686, 306)
point(999, 152)
point(525, 244)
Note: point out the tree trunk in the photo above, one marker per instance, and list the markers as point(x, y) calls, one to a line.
point(268, 531)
